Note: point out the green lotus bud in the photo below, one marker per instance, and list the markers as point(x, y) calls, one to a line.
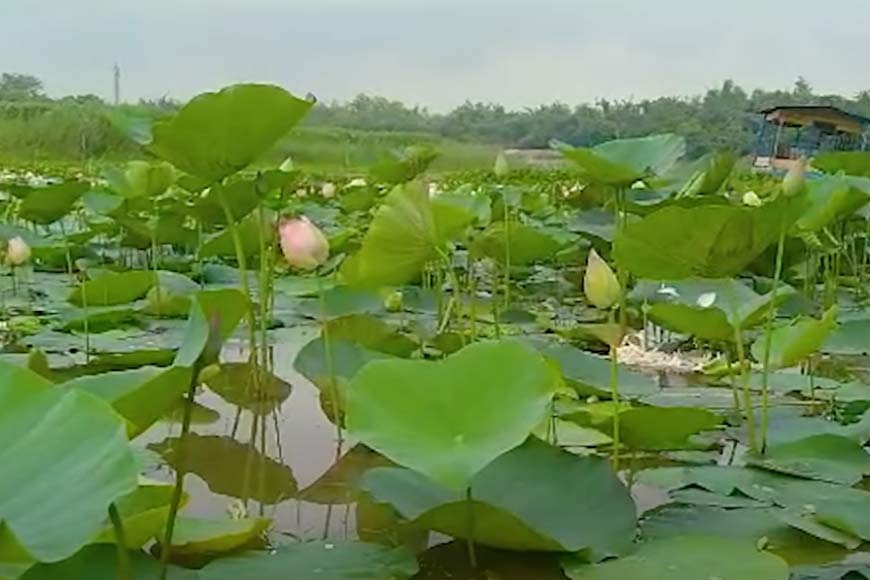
point(394, 301)
point(502, 167)
point(600, 283)
point(208, 373)
point(795, 179)
point(287, 166)
point(751, 199)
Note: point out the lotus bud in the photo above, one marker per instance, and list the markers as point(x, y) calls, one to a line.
point(795, 179)
point(751, 199)
point(599, 283)
point(301, 192)
point(17, 252)
point(287, 166)
point(357, 182)
point(328, 190)
point(303, 244)
point(502, 167)
point(393, 302)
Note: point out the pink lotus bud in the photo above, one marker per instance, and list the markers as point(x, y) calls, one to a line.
point(17, 252)
point(303, 244)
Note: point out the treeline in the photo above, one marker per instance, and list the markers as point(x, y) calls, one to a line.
point(721, 118)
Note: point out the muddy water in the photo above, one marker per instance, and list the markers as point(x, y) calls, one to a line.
point(307, 445)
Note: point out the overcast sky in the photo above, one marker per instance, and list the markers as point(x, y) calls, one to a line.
point(438, 53)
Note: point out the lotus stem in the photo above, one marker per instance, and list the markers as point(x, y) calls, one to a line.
point(614, 395)
point(125, 570)
point(768, 341)
point(328, 361)
point(243, 274)
point(87, 323)
point(472, 552)
point(180, 472)
point(749, 408)
point(507, 256)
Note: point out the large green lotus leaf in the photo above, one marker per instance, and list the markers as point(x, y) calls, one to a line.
point(100, 562)
point(249, 230)
point(527, 244)
point(214, 315)
point(849, 162)
point(849, 516)
point(240, 196)
point(712, 171)
point(685, 558)
point(201, 537)
point(113, 288)
point(46, 205)
point(372, 333)
point(851, 337)
point(826, 457)
point(707, 241)
point(593, 223)
point(250, 387)
point(762, 485)
point(218, 134)
point(837, 571)
point(450, 561)
point(705, 308)
point(340, 484)
point(788, 428)
point(65, 459)
point(450, 418)
point(140, 179)
point(141, 396)
point(222, 462)
point(101, 319)
point(475, 204)
point(342, 301)
point(347, 359)
point(144, 513)
point(316, 561)
point(624, 161)
point(793, 343)
point(787, 533)
point(401, 239)
point(403, 166)
point(661, 428)
point(832, 199)
point(589, 374)
point(522, 501)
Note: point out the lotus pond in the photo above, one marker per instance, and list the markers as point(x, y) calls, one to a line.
point(640, 366)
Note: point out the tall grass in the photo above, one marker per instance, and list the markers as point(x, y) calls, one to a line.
point(82, 134)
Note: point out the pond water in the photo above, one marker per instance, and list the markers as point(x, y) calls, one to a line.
point(295, 473)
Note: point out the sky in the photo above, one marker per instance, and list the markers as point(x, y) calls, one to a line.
point(437, 53)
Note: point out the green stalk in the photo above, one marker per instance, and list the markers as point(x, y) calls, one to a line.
point(749, 408)
point(154, 257)
point(328, 361)
point(243, 274)
point(614, 394)
point(180, 472)
point(768, 341)
point(472, 552)
point(507, 257)
point(472, 292)
point(87, 323)
point(125, 570)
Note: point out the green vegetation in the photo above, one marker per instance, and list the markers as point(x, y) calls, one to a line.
point(641, 366)
point(355, 135)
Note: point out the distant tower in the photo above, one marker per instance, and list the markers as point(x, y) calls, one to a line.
point(117, 71)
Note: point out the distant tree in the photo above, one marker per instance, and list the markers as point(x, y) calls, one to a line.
point(20, 87)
